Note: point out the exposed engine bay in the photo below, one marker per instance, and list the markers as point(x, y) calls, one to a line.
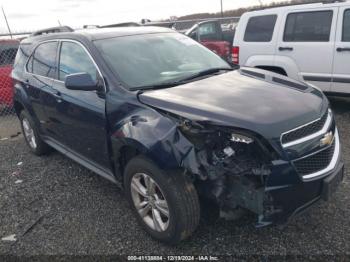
point(231, 166)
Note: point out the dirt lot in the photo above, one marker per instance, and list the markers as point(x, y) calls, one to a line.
point(55, 206)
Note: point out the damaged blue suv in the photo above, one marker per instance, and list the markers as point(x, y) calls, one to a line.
point(172, 123)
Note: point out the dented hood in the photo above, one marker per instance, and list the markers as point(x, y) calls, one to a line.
point(263, 102)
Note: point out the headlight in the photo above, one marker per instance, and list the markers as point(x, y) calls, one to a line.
point(238, 138)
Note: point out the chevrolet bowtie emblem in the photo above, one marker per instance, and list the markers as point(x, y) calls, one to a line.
point(327, 139)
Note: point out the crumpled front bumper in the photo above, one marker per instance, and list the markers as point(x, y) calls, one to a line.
point(287, 195)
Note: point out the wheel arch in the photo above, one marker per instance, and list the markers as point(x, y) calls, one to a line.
point(19, 107)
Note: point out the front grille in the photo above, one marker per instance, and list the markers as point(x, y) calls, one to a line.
point(316, 162)
point(305, 130)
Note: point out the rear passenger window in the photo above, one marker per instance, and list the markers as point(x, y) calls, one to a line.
point(346, 26)
point(308, 27)
point(43, 61)
point(260, 28)
point(74, 59)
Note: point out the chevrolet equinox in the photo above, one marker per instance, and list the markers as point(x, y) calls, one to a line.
point(171, 122)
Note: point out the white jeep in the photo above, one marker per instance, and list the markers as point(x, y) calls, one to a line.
point(306, 42)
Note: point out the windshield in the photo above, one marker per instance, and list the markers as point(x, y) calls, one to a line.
point(155, 59)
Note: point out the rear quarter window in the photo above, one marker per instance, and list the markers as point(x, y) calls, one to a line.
point(260, 28)
point(308, 26)
point(21, 59)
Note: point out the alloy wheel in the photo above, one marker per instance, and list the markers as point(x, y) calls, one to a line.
point(29, 133)
point(150, 202)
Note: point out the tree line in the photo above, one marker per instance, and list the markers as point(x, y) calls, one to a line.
point(240, 11)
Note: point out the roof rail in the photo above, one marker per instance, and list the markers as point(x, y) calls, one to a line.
point(127, 24)
point(58, 29)
point(333, 1)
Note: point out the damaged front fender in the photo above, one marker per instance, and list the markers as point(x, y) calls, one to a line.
point(231, 170)
point(156, 137)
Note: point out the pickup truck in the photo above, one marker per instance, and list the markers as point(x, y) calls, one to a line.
point(211, 35)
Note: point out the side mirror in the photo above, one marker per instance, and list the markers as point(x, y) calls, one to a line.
point(80, 81)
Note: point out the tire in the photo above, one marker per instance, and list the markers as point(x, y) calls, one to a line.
point(31, 135)
point(174, 188)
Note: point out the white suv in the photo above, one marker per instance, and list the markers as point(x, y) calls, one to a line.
point(306, 42)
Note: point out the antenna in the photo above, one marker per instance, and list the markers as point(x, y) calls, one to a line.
point(8, 27)
point(222, 12)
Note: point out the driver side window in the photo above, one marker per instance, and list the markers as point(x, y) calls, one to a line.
point(208, 31)
point(74, 59)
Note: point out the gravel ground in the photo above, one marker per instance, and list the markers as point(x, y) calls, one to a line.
point(62, 208)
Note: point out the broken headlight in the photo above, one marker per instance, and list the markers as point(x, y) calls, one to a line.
point(239, 138)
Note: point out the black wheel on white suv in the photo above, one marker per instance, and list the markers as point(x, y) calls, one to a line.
point(165, 204)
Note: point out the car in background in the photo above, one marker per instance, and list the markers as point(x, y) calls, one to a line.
point(212, 35)
point(8, 51)
point(305, 42)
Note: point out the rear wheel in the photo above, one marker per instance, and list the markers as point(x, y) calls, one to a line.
point(31, 135)
point(165, 204)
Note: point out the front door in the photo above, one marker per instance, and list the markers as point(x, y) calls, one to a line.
point(79, 116)
point(341, 66)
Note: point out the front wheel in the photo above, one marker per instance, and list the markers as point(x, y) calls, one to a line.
point(166, 204)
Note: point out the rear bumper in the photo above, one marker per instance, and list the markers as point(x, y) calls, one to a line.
point(285, 200)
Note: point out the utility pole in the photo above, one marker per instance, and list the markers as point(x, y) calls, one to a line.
point(8, 27)
point(261, 4)
point(222, 11)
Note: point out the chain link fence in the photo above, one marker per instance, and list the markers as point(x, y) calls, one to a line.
point(9, 125)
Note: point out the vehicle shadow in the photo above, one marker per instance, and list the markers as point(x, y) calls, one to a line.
point(340, 104)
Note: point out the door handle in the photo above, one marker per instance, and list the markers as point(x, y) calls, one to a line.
point(57, 96)
point(343, 49)
point(26, 84)
point(282, 48)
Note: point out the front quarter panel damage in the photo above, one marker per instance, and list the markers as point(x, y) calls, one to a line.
point(155, 136)
point(233, 175)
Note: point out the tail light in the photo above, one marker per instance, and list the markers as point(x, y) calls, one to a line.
point(235, 55)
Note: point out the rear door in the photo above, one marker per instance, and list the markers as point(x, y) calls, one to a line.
point(307, 42)
point(341, 66)
point(257, 39)
point(40, 74)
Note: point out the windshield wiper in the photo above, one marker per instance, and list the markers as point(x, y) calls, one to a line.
point(182, 81)
point(157, 86)
point(207, 72)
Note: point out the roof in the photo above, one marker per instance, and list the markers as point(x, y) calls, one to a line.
point(303, 7)
point(101, 33)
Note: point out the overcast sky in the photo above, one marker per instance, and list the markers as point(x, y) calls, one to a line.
point(36, 14)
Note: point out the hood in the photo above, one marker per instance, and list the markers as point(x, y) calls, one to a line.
point(253, 99)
